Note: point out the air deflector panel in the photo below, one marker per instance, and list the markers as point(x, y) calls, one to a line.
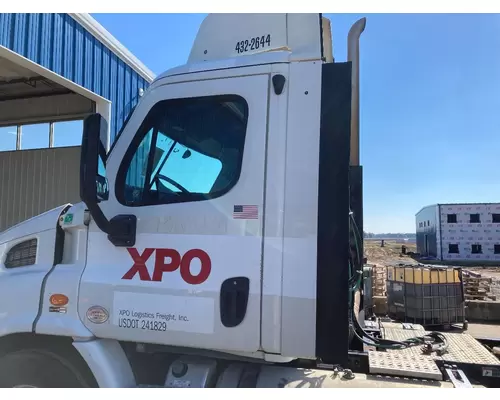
point(332, 292)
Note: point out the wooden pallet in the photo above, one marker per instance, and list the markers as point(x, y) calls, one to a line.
point(467, 273)
point(481, 297)
point(477, 281)
point(477, 287)
point(486, 287)
point(379, 289)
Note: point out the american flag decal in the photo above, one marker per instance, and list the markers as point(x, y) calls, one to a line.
point(245, 212)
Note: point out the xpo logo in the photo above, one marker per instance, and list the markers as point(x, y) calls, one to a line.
point(169, 260)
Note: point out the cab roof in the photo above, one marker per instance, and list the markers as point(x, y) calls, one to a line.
point(238, 40)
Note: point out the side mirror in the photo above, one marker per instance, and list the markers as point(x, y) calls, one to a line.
point(93, 182)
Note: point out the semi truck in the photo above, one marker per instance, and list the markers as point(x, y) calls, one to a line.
point(218, 242)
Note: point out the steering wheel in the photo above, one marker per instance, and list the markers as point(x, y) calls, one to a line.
point(171, 181)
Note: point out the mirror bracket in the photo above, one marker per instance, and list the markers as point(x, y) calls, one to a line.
point(122, 230)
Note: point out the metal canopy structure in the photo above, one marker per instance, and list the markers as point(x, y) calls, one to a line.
point(17, 82)
point(55, 69)
point(27, 97)
point(76, 52)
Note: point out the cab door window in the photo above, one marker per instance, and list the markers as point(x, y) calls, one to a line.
point(185, 150)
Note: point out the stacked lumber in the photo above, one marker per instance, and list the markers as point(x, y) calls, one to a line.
point(379, 278)
point(477, 287)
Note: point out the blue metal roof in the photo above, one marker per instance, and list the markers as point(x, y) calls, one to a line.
point(59, 43)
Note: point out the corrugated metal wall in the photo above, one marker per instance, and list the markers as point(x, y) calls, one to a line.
point(427, 231)
point(34, 181)
point(59, 43)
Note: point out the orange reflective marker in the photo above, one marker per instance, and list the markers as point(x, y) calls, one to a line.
point(59, 299)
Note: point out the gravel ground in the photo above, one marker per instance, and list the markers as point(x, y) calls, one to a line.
point(484, 330)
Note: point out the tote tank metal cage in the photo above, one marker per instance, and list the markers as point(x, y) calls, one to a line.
point(426, 295)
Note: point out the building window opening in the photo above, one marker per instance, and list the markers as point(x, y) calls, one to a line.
point(453, 248)
point(8, 138)
point(475, 219)
point(35, 136)
point(451, 218)
point(476, 249)
point(495, 218)
point(496, 249)
point(67, 133)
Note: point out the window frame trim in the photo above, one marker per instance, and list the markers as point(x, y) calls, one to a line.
point(141, 133)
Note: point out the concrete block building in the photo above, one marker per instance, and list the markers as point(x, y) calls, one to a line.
point(459, 232)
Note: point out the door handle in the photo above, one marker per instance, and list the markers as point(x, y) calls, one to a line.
point(234, 294)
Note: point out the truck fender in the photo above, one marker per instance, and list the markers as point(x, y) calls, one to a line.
point(21, 286)
point(108, 362)
point(64, 279)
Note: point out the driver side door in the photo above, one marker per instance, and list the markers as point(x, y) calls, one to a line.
point(190, 167)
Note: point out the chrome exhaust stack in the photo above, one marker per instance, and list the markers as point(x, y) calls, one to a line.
point(353, 56)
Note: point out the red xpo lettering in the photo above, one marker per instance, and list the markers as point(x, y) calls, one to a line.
point(139, 264)
point(168, 260)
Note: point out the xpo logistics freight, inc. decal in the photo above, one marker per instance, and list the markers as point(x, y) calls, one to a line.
point(169, 260)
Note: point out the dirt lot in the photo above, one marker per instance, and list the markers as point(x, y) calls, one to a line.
point(391, 253)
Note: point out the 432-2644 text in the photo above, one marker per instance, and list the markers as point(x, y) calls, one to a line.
point(255, 43)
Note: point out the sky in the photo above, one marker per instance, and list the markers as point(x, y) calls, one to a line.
point(430, 101)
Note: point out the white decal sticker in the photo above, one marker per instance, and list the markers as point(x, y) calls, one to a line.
point(162, 313)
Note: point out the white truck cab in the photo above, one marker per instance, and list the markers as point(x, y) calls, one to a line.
point(216, 226)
